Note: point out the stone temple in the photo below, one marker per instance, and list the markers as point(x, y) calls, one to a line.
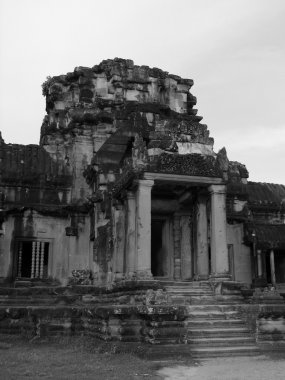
point(124, 208)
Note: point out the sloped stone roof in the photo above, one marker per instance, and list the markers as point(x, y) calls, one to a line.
point(30, 165)
point(266, 195)
point(268, 235)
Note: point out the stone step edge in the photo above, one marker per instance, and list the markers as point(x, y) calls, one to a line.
point(224, 349)
point(229, 339)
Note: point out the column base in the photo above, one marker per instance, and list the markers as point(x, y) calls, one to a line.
point(220, 277)
point(259, 282)
point(217, 280)
point(144, 274)
point(130, 276)
point(201, 277)
point(119, 277)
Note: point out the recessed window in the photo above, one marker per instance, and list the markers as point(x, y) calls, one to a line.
point(32, 259)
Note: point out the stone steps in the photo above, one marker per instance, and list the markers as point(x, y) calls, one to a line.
point(206, 323)
point(210, 308)
point(214, 327)
point(211, 332)
point(190, 294)
point(217, 300)
point(213, 352)
point(210, 314)
point(178, 284)
point(205, 300)
point(213, 337)
point(221, 341)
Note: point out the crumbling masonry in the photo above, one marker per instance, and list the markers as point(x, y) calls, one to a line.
point(125, 194)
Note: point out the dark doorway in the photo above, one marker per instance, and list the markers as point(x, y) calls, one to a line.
point(32, 259)
point(157, 249)
point(26, 261)
point(279, 259)
point(268, 268)
point(231, 261)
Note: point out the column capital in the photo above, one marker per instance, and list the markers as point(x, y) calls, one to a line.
point(202, 197)
point(130, 195)
point(145, 182)
point(217, 189)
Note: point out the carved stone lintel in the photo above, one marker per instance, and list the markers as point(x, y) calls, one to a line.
point(187, 164)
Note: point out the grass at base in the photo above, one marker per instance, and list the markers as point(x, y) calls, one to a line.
point(69, 358)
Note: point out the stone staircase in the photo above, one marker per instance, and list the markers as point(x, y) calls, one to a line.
point(214, 325)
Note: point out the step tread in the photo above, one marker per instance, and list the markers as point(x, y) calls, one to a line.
point(211, 309)
point(251, 347)
point(214, 321)
point(212, 313)
point(221, 339)
point(223, 330)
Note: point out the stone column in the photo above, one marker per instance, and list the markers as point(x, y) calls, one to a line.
point(131, 235)
point(185, 242)
point(177, 248)
point(219, 249)
point(202, 239)
point(143, 226)
point(119, 249)
point(272, 267)
point(259, 264)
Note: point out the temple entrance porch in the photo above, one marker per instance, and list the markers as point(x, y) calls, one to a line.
point(176, 228)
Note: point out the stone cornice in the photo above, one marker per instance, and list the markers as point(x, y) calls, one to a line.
point(197, 180)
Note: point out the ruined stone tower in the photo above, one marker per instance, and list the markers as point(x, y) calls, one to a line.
point(125, 183)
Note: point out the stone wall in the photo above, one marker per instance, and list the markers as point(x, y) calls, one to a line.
point(130, 313)
point(267, 324)
point(65, 252)
point(241, 253)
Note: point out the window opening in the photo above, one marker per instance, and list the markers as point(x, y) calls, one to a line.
point(32, 259)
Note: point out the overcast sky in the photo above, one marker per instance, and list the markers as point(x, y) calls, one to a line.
point(233, 49)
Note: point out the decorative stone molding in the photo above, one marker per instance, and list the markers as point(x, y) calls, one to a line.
point(186, 164)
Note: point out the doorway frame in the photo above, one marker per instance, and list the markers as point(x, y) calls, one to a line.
point(167, 241)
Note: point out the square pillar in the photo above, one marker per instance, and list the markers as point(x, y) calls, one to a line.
point(272, 268)
point(131, 260)
point(143, 227)
point(202, 257)
point(219, 249)
point(185, 231)
point(177, 248)
point(119, 247)
point(259, 264)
